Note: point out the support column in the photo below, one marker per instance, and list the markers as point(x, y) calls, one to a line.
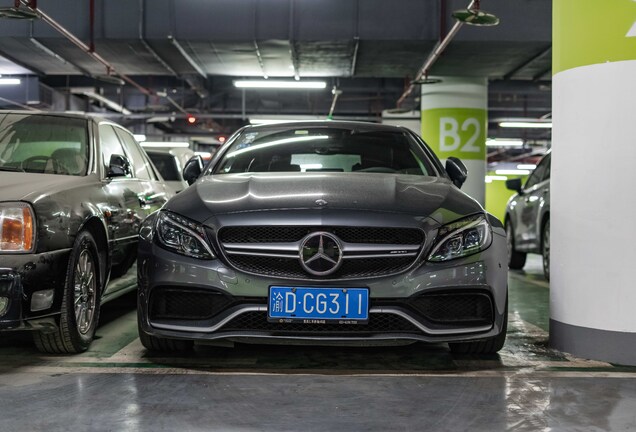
point(593, 285)
point(454, 124)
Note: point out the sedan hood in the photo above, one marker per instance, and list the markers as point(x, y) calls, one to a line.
point(19, 186)
point(230, 193)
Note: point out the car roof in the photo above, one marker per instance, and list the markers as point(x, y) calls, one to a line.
point(338, 124)
point(76, 115)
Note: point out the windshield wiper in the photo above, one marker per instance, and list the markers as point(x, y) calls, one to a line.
point(10, 168)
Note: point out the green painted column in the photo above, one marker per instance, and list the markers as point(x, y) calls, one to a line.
point(454, 123)
point(592, 233)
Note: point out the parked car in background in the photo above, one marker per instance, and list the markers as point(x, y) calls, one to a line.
point(170, 163)
point(527, 219)
point(74, 192)
point(323, 232)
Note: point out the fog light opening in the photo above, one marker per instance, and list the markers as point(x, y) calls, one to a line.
point(4, 305)
point(41, 300)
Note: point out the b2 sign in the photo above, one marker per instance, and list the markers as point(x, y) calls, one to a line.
point(458, 132)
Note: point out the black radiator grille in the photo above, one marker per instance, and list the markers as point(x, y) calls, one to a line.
point(280, 234)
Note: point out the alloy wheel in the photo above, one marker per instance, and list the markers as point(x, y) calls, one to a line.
point(84, 298)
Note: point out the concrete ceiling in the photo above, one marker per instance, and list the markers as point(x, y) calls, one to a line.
point(369, 48)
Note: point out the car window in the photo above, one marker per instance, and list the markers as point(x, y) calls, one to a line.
point(546, 174)
point(537, 175)
point(43, 144)
point(166, 164)
point(321, 149)
point(110, 144)
point(139, 162)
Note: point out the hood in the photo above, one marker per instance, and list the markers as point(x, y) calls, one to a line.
point(19, 186)
point(230, 193)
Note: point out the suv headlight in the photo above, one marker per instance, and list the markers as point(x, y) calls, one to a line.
point(462, 238)
point(182, 236)
point(17, 227)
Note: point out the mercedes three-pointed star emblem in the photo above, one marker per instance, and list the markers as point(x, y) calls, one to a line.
point(320, 253)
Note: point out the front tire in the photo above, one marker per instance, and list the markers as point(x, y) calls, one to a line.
point(162, 345)
point(79, 313)
point(486, 346)
point(516, 260)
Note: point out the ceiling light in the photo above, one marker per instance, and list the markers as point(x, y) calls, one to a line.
point(140, 137)
point(526, 124)
point(526, 166)
point(490, 178)
point(273, 84)
point(10, 81)
point(165, 144)
point(512, 172)
point(504, 142)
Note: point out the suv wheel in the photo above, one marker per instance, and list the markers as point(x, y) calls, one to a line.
point(516, 260)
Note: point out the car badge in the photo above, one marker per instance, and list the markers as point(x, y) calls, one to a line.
point(320, 253)
point(321, 202)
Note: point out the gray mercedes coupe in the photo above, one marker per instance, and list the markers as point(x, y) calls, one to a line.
point(323, 232)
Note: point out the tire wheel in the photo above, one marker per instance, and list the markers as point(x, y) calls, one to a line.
point(487, 346)
point(545, 249)
point(79, 313)
point(157, 344)
point(516, 260)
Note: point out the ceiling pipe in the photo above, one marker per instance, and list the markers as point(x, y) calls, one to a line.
point(87, 49)
point(434, 55)
point(110, 70)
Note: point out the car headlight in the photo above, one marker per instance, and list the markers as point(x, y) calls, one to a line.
point(17, 227)
point(462, 238)
point(183, 236)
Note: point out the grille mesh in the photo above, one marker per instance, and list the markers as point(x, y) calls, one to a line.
point(291, 268)
point(275, 234)
point(378, 323)
point(184, 304)
point(462, 308)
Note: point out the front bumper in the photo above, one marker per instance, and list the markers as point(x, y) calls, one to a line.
point(244, 315)
point(23, 274)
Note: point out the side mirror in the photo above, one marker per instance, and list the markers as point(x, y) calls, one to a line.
point(514, 184)
point(193, 169)
point(456, 170)
point(119, 166)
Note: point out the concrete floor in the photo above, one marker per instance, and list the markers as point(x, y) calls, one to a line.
point(116, 386)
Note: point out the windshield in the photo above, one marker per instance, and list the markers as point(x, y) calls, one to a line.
point(43, 144)
point(324, 149)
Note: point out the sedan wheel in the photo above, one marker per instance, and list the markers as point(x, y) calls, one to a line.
point(80, 302)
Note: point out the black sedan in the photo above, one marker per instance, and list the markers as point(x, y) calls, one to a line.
point(74, 191)
point(324, 232)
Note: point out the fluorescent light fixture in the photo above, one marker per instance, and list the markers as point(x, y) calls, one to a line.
point(490, 178)
point(10, 81)
point(274, 84)
point(140, 137)
point(504, 142)
point(165, 144)
point(504, 172)
point(204, 155)
point(526, 166)
point(526, 124)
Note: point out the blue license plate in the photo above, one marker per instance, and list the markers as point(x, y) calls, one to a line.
point(318, 305)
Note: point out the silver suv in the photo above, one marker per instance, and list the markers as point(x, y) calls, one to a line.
point(527, 218)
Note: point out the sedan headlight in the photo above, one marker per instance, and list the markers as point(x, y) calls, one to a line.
point(183, 236)
point(17, 227)
point(462, 238)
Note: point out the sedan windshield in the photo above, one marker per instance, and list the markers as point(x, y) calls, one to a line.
point(324, 149)
point(43, 144)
